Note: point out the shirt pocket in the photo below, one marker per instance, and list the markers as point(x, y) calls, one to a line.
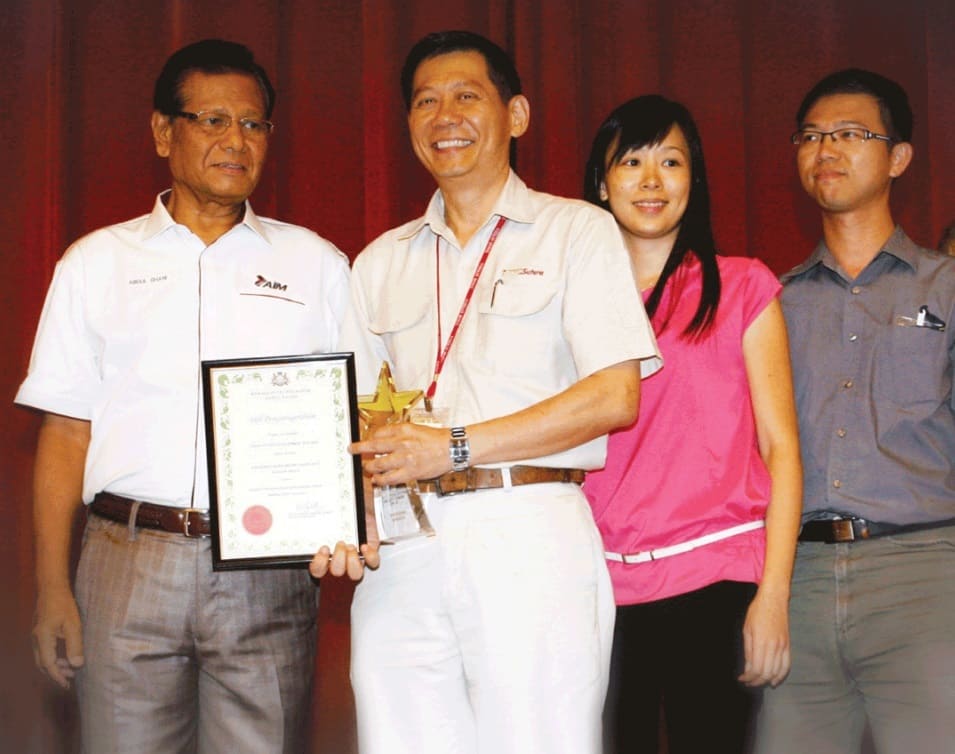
point(276, 325)
point(407, 331)
point(519, 330)
point(909, 366)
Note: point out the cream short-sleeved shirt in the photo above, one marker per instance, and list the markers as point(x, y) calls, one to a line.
point(555, 303)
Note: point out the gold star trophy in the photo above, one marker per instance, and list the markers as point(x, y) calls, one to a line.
point(399, 511)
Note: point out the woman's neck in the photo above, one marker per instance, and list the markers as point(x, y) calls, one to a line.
point(647, 258)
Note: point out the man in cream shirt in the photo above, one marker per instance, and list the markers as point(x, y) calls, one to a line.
point(516, 312)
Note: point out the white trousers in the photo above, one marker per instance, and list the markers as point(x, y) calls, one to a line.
point(493, 636)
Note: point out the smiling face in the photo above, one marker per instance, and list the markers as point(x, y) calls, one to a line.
point(648, 188)
point(460, 128)
point(206, 169)
point(845, 177)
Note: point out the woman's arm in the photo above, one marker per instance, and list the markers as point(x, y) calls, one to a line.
point(766, 631)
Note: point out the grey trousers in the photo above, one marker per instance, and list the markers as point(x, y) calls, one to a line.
point(182, 659)
point(872, 627)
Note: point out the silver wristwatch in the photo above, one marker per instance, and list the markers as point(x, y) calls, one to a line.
point(459, 449)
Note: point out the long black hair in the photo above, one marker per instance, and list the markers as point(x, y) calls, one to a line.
point(646, 121)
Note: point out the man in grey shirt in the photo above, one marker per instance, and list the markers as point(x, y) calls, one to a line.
point(871, 318)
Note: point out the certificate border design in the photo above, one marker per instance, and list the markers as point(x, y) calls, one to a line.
point(217, 378)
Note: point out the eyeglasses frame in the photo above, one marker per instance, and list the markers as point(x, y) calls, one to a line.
point(194, 117)
point(867, 135)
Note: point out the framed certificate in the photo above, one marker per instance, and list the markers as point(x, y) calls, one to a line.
point(281, 480)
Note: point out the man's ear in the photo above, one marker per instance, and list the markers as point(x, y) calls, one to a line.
point(520, 112)
point(899, 158)
point(162, 132)
point(604, 196)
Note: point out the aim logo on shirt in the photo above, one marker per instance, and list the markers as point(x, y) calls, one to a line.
point(273, 288)
point(261, 282)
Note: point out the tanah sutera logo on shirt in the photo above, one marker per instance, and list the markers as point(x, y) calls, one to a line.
point(261, 282)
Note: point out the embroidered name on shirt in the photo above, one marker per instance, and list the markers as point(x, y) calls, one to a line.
point(524, 271)
point(151, 279)
point(261, 282)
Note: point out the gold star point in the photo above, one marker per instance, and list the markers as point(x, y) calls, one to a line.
point(387, 405)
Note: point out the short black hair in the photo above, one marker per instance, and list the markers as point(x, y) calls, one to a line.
point(893, 101)
point(208, 56)
point(500, 67)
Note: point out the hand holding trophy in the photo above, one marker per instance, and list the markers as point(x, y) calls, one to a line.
point(399, 512)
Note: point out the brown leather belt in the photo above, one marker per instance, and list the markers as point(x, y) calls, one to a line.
point(190, 522)
point(836, 530)
point(473, 479)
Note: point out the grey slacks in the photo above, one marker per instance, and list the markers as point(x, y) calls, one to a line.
point(182, 659)
point(872, 627)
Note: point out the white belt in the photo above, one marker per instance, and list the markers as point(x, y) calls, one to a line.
point(665, 552)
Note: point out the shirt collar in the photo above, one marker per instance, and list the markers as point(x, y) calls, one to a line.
point(160, 221)
point(514, 203)
point(898, 245)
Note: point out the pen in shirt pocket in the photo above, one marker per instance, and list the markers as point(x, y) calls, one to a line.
point(499, 281)
point(514, 271)
point(924, 318)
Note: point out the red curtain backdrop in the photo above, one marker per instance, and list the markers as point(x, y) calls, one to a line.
point(77, 154)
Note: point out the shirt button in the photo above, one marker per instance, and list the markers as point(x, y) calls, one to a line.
point(841, 431)
point(856, 290)
point(837, 484)
point(847, 384)
point(853, 338)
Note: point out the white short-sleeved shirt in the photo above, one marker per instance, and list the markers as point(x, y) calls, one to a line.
point(555, 303)
point(135, 307)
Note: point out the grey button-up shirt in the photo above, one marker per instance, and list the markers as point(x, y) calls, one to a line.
point(873, 368)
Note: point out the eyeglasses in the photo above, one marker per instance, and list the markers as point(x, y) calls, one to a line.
point(216, 123)
point(845, 136)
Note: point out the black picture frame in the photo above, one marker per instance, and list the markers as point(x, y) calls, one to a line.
point(277, 430)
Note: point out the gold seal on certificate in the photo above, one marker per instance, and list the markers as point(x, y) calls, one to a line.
point(281, 480)
point(399, 512)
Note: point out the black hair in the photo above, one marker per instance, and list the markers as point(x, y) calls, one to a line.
point(948, 236)
point(893, 101)
point(646, 121)
point(500, 67)
point(208, 56)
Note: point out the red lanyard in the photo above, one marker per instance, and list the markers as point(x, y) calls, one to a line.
point(442, 354)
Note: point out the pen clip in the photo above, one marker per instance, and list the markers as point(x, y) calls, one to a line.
point(499, 281)
point(926, 319)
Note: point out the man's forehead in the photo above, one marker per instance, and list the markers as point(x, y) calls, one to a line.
point(844, 108)
point(452, 68)
point(221, 85)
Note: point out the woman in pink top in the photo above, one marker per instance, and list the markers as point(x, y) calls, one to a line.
point(699, 501)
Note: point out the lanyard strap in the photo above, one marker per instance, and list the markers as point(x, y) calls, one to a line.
point(442, 354)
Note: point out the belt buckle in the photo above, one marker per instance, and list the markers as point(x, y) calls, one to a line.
point(185, 523)
point(452, 483)
point(842, 531)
